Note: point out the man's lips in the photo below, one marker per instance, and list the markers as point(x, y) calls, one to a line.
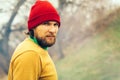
point(50, 36)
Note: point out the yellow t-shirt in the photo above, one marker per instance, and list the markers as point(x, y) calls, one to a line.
point(31, 62)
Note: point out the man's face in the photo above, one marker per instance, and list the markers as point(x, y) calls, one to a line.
point(46, 32)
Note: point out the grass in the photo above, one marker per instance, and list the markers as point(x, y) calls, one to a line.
point(98, 59)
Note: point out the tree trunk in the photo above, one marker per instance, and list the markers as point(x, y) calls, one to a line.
point(5, 41)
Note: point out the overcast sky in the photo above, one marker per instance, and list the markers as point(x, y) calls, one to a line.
point(55, 2)
point(115, 2)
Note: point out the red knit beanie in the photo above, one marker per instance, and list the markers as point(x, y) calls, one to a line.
point(40, 12)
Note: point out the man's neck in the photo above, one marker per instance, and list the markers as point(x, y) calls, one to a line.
point(35, 40)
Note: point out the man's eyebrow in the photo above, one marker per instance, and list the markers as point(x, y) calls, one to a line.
point(56, 23)
point(46, 22)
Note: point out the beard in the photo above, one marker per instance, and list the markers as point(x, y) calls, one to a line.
point(44, 42)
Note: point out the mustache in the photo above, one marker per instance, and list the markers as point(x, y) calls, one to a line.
point(50, 35)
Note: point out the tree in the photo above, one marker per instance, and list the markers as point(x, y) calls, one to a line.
point(77, 22)
point(4, 51)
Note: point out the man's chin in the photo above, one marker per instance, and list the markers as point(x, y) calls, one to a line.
point(45, 42)
point(50, 44)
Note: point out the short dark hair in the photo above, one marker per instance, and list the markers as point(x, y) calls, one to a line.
point(30, 33)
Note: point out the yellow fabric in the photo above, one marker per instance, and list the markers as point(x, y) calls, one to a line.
point(31, 62)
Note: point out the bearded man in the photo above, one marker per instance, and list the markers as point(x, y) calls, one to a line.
point(31, 60)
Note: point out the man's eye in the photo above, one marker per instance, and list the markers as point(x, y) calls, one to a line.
point(45, 23)
point(56, 24)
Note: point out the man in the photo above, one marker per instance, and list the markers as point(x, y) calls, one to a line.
point(31, 60)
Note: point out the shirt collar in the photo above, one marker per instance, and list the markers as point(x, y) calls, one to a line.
point(35, 41)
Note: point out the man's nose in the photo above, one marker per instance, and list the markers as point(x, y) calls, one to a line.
point(52, 28)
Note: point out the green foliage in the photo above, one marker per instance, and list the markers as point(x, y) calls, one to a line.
point(98, 59)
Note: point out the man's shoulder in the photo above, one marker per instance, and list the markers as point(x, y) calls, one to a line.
point(25, 46)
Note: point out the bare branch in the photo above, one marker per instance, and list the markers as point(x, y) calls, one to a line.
point(20, 29)
point(14, 13)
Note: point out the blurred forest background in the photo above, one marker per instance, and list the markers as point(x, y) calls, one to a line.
point(87, 46)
